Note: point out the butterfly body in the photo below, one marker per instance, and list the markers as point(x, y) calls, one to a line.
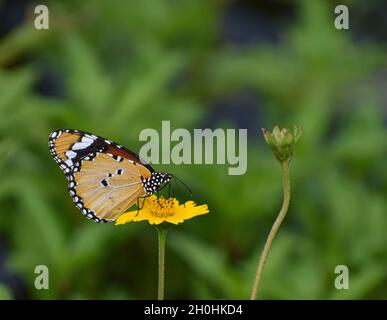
point(105, 178)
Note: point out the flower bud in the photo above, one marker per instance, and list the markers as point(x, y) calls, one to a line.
point(282, 141)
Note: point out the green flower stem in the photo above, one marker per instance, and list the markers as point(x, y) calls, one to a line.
point(274, 228)
point(162, 235)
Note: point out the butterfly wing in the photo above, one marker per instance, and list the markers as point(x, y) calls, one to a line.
point(104, 178)
point(69, 146)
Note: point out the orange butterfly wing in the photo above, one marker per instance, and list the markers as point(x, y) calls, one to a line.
point(105, 179)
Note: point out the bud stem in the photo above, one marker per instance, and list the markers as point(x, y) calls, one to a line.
point(274, 228)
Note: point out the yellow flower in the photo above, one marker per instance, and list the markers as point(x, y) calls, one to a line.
point(158, 210)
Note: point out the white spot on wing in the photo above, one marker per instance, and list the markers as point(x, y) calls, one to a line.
point(81, 145)
point(91, 136)
point(87, 140)
point(71, 154)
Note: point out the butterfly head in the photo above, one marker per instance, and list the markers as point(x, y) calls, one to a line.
point(156, 182)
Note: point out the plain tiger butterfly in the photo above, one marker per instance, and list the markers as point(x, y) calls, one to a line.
point(104, 178)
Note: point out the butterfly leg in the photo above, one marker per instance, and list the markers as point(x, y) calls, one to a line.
point(169, 190)
point(138, 205)
point(158, 196)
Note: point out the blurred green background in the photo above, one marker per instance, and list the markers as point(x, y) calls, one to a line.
point(116, 67)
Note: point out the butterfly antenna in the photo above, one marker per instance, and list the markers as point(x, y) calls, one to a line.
point(188, 188)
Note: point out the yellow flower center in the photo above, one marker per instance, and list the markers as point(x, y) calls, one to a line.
point(162, 207)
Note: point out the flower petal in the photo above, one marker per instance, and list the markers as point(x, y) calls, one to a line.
point(155, 220)
point(175, 219)
point(126, 217)
point(152, 204)
point(142, 215)
point(190, 210)
point(134, 215)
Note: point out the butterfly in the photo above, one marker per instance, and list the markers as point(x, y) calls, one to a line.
point(104, 178)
